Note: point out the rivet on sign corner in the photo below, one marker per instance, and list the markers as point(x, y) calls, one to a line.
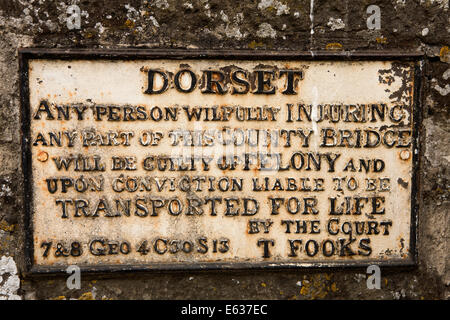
point(405, 154)
point(42, 156)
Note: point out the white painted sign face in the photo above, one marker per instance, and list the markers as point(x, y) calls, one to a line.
point(202, 163)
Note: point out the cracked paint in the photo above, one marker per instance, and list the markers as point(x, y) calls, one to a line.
point(9, 280)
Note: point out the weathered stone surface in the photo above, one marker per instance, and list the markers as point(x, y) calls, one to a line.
point(406, 26)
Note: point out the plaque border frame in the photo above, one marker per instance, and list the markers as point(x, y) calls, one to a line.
point(26, 54)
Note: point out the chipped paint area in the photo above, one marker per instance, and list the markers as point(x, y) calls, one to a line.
point(9, 280)
point(444, 4)
point(335, 24)
point(230, 28)
point(280, 7)
point(161, 4)
point(446, 74)
point(442, 91)
point(409, 26)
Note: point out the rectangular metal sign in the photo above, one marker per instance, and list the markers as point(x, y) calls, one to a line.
point(203, 161)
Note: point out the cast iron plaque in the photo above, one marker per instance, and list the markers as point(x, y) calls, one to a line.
point(145, 160)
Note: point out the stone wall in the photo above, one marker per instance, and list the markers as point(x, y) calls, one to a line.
point(300, 25)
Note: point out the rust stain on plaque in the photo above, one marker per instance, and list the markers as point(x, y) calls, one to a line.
point(220, 163)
